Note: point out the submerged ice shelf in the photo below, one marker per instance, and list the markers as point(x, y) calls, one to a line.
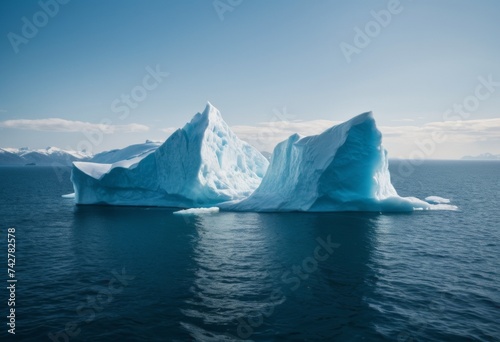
point(205, 164)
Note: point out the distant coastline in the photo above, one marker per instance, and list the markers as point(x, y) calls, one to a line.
point(483, 156)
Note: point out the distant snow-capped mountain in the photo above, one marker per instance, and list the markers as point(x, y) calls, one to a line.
point(54, 156)
point(50, 156)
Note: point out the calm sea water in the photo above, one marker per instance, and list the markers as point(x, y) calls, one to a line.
point(113, 273)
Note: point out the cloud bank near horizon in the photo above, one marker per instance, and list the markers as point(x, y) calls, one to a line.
point(63, 125)
point(449, 139)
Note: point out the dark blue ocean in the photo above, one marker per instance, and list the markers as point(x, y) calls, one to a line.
point(93, 273)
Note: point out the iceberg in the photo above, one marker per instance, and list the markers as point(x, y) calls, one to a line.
point(206, 167)
point(200, 165)
point(344, 168)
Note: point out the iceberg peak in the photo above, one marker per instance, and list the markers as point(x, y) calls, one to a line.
point(363, 116)
point(211, 113)
point(202, 120)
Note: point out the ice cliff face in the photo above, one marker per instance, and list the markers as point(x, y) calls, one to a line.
point(202, 164)
point(343, 169)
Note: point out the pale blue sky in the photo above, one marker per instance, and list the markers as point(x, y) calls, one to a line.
point(262, 57)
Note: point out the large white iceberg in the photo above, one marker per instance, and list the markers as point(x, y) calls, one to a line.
point(343, 169)
point(205, 165)
point(200, 165)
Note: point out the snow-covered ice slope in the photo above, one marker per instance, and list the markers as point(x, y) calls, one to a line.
point(129, 152)
point(200, 165)
point(343, 169)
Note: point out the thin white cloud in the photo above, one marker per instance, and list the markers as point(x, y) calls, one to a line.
point(455, 131)
point(63, 125)
point(266, 135)
point(443, 140)
point(168, 130)
point(403, 120)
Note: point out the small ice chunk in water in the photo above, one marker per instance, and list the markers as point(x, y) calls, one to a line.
point(436, 200)
point(197, 211)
